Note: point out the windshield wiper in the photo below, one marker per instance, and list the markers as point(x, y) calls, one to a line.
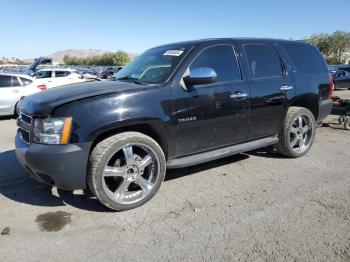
point(132, 79)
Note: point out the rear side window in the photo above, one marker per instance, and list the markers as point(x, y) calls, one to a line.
point(263, 61)
point(306, 58)
point(26, 81)
point(220, 58)
point(61, 73)
point(5, 81)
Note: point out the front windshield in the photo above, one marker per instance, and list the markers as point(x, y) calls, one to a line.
point(153, 66)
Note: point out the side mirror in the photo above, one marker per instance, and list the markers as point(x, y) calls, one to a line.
point(200, 76)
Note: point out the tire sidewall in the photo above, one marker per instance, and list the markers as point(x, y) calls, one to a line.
point(302, 111)
point(96, 177)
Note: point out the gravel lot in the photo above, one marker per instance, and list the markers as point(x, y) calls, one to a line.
point(255, 206)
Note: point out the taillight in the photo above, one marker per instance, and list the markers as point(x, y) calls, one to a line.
point(331, 85)
point(42, 87)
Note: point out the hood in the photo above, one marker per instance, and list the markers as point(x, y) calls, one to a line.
point(38, 61)
point(44, 102)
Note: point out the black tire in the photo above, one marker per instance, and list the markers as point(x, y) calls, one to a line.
point(105, 151)
point(16, 111)
point(284, 146)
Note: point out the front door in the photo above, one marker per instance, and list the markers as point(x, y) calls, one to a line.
point(212, 115)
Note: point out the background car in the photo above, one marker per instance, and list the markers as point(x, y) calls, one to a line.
point(341, 78)
point(89, 73)
point(58, 77)
point(108, 72)
point(13, 87)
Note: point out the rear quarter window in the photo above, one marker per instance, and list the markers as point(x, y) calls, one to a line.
point(306, 58)
point(15, 81)
point(26, 81)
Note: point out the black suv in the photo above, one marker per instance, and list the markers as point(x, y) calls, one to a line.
point(174, 106)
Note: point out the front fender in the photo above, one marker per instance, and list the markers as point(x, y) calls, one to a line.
point(96, 116)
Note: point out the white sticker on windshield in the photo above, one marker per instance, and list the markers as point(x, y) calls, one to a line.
point(173, 52)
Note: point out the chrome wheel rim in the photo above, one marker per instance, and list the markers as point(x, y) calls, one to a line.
point(301, 134)
point(131, 173)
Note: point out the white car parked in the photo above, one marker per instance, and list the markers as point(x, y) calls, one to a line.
point(13, 87)
point(58, 77)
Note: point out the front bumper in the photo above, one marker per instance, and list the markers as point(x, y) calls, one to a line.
point(324, 109)
point(63, 166)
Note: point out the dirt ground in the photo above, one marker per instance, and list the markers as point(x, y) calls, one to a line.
point(257, 206)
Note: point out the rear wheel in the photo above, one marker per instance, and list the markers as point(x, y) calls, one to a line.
point(126, 170)
point(297, 134)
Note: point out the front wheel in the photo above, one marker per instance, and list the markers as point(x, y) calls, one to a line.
point(297, 134)
point(126, 170)
point(17, 110)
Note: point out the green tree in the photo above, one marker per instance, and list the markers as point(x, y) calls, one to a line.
point(333, 46)
point(119, 58)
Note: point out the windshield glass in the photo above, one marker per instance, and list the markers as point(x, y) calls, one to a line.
point(153, 66)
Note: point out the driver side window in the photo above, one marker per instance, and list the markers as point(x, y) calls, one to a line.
point(222, 59)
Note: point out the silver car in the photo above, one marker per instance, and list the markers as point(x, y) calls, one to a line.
point(12, 88)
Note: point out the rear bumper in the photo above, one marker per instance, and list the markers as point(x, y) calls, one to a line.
point(324, 109)
point(63, 166)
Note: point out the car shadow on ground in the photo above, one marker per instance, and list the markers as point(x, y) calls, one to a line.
point(267, 152)
point(181, 172)
point(17, 185)
point(7, 117)
point(334, 125)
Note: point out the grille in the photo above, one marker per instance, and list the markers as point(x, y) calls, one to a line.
point(25, 124)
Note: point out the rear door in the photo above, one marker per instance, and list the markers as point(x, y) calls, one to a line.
point(211, 115)
point(10, 92)
point(269, 85)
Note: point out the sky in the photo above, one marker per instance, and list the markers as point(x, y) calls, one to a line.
point(37, 28)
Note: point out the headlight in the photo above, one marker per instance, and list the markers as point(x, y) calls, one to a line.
point(52, 130)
